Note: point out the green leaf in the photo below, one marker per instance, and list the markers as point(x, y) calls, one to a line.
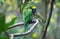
point(4, 26)
point(11, 22)
point(3, 38)
point(2, 22)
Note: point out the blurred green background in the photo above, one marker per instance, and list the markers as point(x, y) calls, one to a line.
point(13, 8)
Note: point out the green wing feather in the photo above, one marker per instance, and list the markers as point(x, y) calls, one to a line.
point(26, 17)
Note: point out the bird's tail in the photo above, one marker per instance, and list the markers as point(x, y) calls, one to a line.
point(25, 27)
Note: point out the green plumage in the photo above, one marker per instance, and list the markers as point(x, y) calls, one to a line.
point(27, 17)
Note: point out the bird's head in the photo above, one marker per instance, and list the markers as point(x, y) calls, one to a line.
point(34, 9)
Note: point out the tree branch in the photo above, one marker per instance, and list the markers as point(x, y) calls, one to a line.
point(48, 21)
point(7, 34)
point(25, 33)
